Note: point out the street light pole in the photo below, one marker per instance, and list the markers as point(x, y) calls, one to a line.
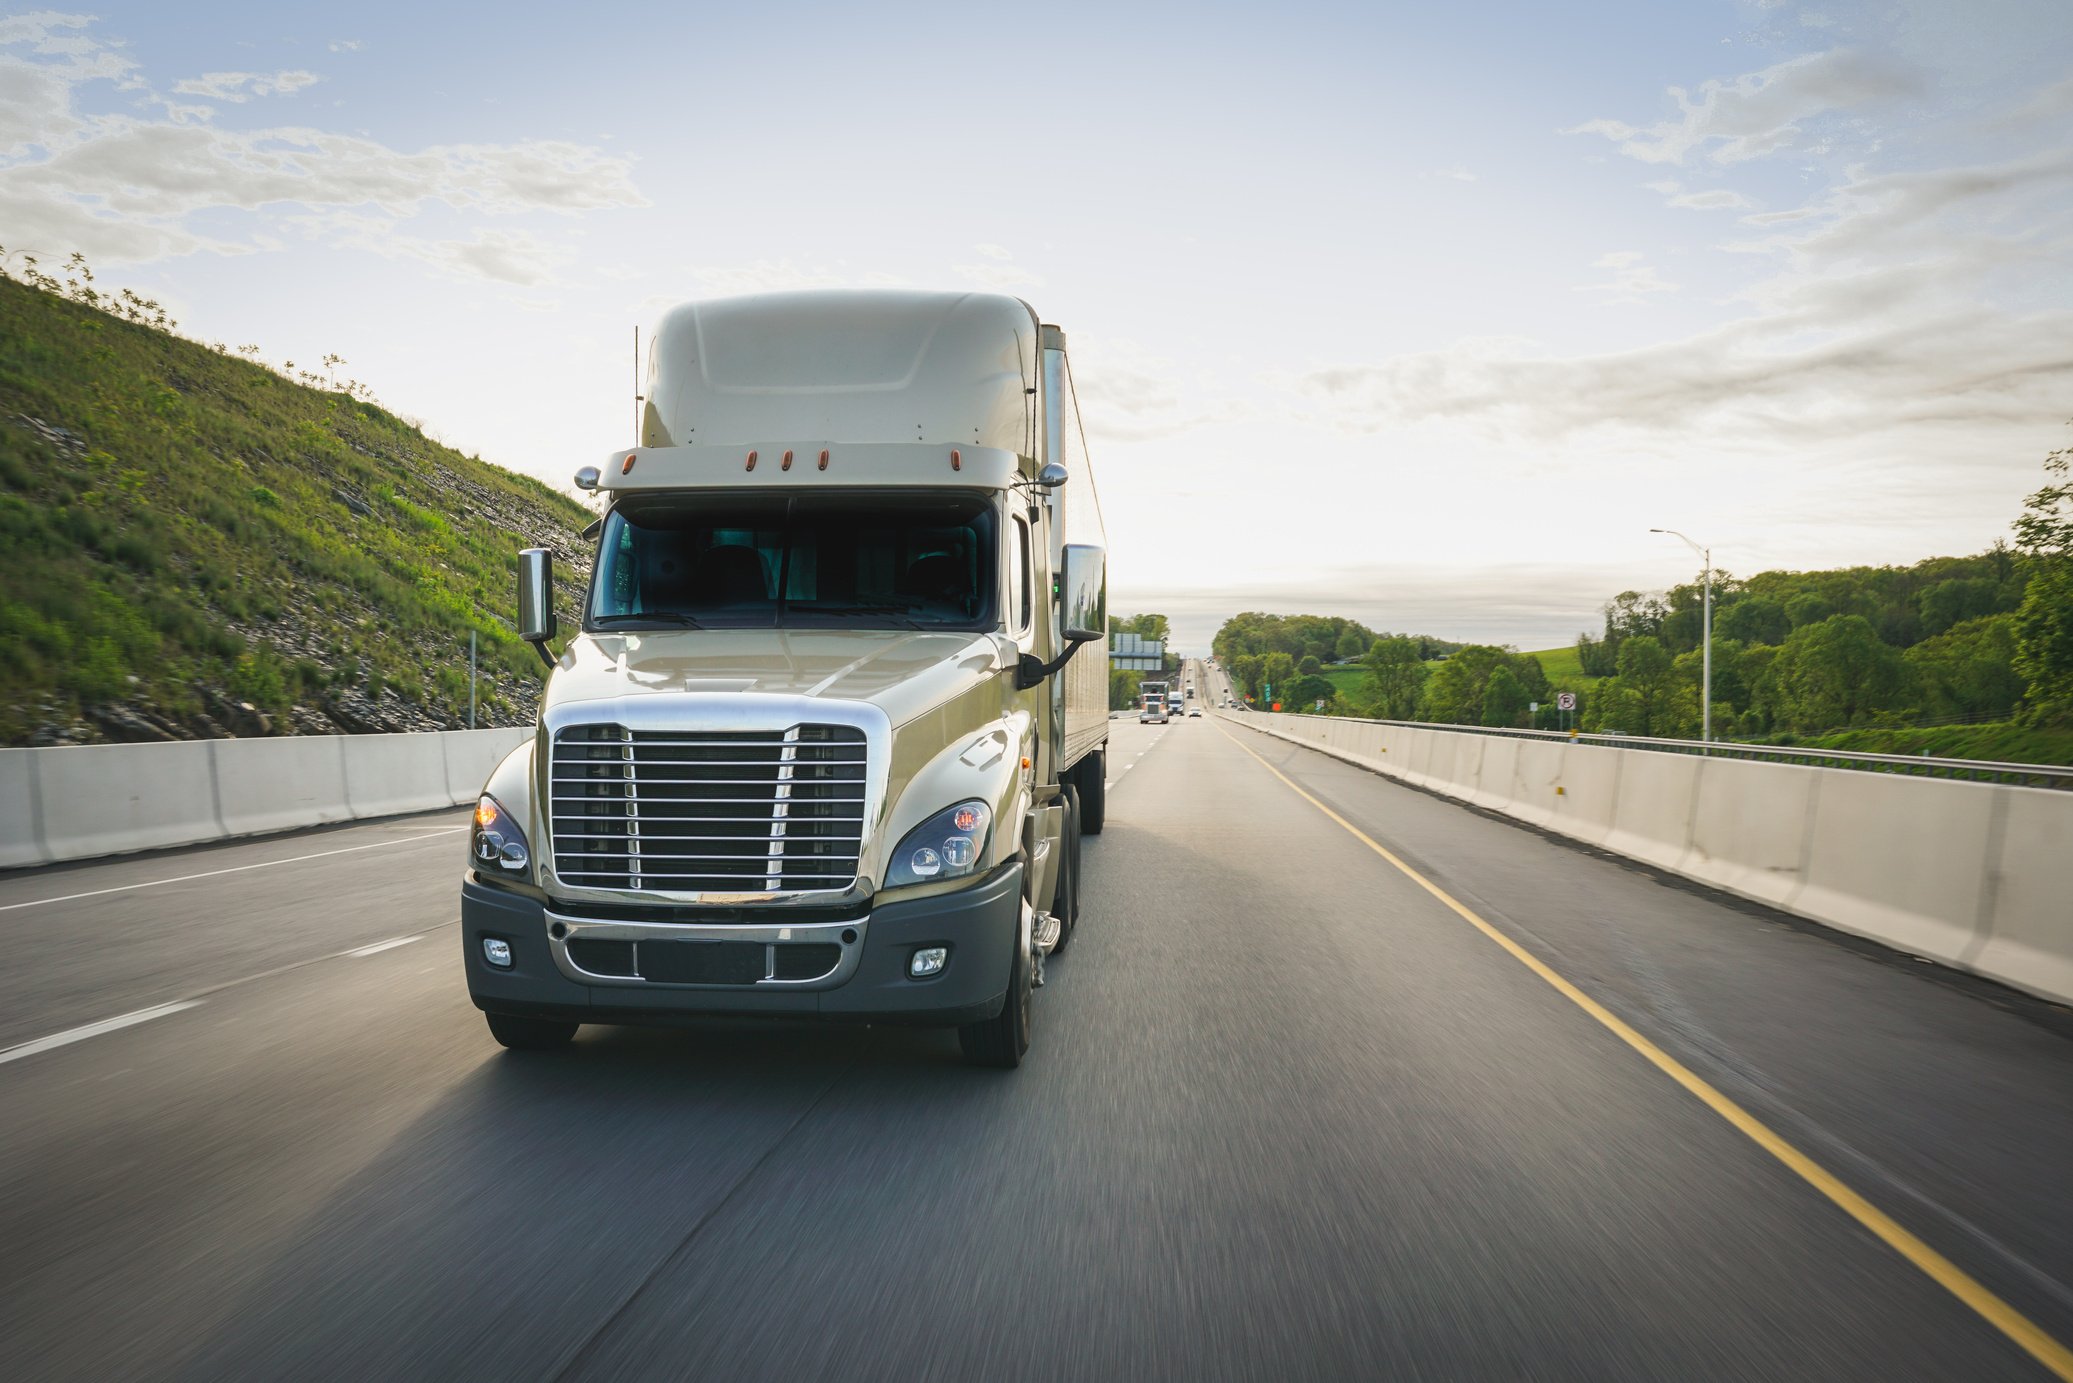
point(1706, 628)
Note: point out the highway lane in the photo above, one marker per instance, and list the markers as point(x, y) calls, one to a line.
point(88, 942)
point(1286, 1116)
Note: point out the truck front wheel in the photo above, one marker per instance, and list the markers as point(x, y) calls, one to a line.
point(1001, 1040)
point(1066, 906)
point(529, 1034)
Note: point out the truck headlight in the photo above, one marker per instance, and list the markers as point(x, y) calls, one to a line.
point(946, 846)
point(495, 843)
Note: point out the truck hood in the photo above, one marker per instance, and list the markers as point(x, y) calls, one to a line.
point(904, 674)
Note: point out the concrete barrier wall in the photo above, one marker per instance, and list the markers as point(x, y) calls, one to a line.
point(81, 801)
point(1974, 875)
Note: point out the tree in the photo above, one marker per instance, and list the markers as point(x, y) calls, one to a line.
point(1309, 665)
point(1969, 669)
point(1123, 688)
point(1454, 695)
point(1504, 698)
point(1246, 668)
point(1643, 698)
point(1349, 646)
point(1838, 673)
point(1310, 690)
point(2044, 622)
point(1278, 671)
point(1396, 678)
point(1953, 602)
point(1752, 619)
point(2043, 654)
point(1147, 626)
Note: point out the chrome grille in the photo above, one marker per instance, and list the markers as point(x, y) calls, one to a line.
point(728, 811)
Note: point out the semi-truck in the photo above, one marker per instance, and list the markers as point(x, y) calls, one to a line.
point(833, 723)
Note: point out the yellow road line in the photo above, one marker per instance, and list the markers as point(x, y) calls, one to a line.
point(1946, 1274)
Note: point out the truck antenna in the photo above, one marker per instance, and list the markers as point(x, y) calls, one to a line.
point(636, 383)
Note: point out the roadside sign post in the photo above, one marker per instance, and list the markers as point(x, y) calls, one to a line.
point(1565, 702)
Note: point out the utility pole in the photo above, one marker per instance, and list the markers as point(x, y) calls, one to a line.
point(1706, 626)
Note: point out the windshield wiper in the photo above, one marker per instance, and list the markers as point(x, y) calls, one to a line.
point(674, 618)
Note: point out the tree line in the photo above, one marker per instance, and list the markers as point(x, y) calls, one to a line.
point(1948, 640)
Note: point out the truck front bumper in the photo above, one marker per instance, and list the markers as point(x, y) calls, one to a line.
point(588, 969)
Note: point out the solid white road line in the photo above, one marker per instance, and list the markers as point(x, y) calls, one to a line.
point(234, 869)
point(378, 947)
point(70, 1035)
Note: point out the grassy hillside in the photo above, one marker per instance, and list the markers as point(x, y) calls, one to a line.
point(197, 546)
point(2000, 742)
point(1560, 664)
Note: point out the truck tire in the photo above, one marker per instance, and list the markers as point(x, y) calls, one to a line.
point(1093, 783)
point(529, 1034)
point(1065, 906)
point(1001, 1040)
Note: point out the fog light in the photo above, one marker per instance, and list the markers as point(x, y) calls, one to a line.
point(497, 952)
point(929, 960)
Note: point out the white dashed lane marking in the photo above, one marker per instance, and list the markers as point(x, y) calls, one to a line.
point(234, 869)
point(80, 1034)
point(378, 947)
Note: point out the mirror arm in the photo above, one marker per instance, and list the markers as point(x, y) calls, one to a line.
point(1032, 670)
point(545, 657)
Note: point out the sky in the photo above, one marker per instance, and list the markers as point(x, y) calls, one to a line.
point(1419, 314)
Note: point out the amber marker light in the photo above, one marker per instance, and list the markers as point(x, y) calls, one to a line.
point(824, 459)
point(957, 462)
point(786, 464)
point(966, 819)
point(484, 813)
point(752, 462)
point(627, 465)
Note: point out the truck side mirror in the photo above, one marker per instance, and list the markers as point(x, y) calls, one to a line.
point(536, 600)
point(1085, 589)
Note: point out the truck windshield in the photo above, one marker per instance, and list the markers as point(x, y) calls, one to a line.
point(825, 561)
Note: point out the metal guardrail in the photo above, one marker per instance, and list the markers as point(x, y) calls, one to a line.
point(1973, 770)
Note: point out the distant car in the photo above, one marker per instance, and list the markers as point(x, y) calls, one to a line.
point(1194, 710)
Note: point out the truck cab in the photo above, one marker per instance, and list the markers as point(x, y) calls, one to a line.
point(833, 722)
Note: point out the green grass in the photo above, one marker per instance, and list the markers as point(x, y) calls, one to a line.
point(2000, 742)
point(196, 530)
point(1560, 664)
point(1351, 681)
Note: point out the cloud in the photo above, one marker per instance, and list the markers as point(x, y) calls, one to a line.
point(1749, 116)
point(1632, 280)
point(1716, 199)
point(345, 45)
point(1130, 394)
point(781, 275)
point(1955, 366)
point(122, 188)
point(243, 86)
point(1530, 606)
point(2047, 104)
point(999, 274)
point(1456, 174)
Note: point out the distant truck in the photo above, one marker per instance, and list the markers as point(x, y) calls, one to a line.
point(832, 729)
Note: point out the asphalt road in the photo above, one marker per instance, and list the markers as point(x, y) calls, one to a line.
point(1288, 1115)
